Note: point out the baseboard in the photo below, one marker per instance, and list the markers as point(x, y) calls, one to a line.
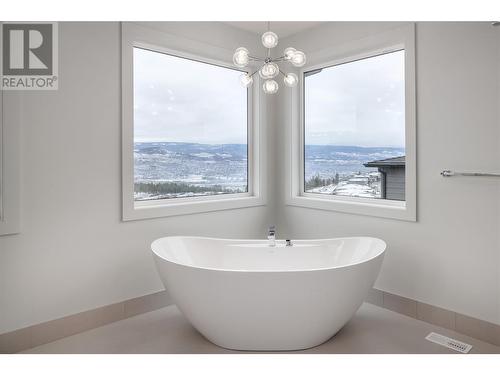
point(38, 334)
point(29, 337)
point(476, 328)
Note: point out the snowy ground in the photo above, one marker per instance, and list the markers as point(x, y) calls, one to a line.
point(365, 186)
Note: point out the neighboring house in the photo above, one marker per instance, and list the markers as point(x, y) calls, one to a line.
point(392, 171)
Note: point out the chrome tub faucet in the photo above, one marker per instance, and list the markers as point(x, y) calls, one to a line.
point(271, 236)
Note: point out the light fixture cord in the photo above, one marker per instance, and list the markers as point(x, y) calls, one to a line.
point(269, 29)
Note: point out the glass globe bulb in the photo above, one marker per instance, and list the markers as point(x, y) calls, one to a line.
point(289, 52)
point(291, 80)
point(270, 86)
point(240, 57)
point(246, 80)
point(269, 39)
point(269, 70)
point(298, 59)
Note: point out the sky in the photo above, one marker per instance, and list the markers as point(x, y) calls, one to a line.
point(359, 103)
point(180, 100)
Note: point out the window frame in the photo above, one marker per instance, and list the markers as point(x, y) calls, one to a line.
point(386, 42)
point(142, 37)
point(10, 175)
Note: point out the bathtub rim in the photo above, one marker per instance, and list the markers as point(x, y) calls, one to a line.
point(380, 253)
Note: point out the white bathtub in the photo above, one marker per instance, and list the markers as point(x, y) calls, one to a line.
point(245, 295)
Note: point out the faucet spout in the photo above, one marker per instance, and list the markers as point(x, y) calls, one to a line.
point(271, 236)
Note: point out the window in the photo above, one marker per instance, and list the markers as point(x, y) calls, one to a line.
point(354, 128)
point(191, 134)
point(190, 128)
point(352, 137)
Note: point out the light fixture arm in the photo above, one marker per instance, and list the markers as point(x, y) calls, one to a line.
point(255, 58)
point(281, 58)
point(251, 75)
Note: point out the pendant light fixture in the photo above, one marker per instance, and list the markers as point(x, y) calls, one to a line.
point(269, 70)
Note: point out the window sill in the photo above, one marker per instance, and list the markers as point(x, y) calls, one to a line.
point(372, 207)
point(164, 208)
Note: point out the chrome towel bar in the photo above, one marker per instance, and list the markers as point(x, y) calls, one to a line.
point(448, 173)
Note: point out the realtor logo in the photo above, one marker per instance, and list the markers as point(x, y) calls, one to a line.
point(29, 56)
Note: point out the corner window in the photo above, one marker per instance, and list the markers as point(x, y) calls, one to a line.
point(354, 128)
point(190, 128)
point(191, 134)
point(353, 132)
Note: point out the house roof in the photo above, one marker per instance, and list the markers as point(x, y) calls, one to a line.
point(391, 162)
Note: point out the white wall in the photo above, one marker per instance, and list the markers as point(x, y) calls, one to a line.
point(498, 200)
point(449, 257)
point(74, 253)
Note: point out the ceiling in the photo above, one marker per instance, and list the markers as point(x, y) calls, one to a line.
point(282, 28)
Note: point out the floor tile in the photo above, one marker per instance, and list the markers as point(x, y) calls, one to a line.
point(371, 330)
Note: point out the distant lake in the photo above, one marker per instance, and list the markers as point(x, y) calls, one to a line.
point(327, 160)
point(226, 165)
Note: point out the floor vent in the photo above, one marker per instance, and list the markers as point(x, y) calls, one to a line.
point(459, 346)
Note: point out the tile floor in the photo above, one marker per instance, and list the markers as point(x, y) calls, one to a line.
point(372, 330)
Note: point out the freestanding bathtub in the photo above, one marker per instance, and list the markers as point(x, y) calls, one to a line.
point(246, 295)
